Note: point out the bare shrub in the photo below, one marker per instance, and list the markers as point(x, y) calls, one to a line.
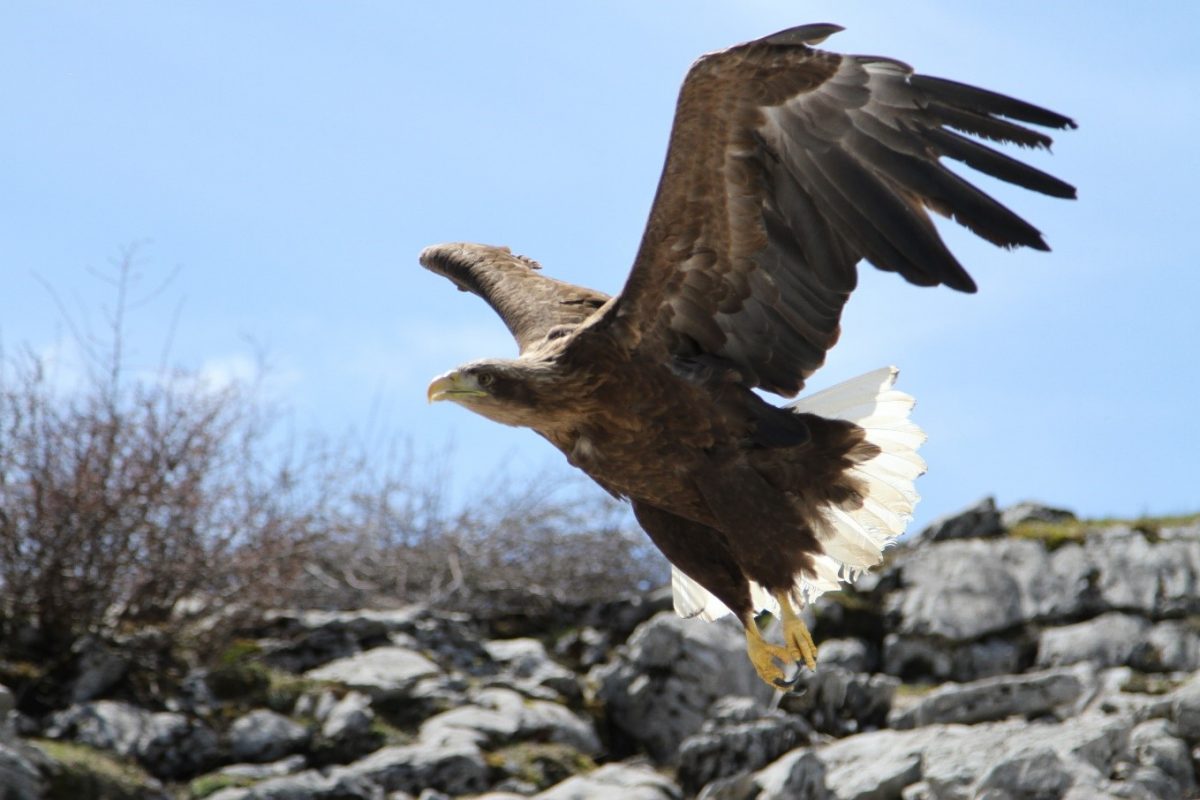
point(514, 547)
point(157, 500)
point(116, 504)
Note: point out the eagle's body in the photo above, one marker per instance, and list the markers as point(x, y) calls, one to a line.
point(786, 166)
point(713, 456)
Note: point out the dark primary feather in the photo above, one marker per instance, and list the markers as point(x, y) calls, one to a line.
point(531, 305)
point(786, 166)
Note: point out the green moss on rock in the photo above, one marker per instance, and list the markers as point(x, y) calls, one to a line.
point(210, 784)
point(542, 764)
point(80, 771)
point(1052, 534)
point(1056, 534)
point(1142, 683)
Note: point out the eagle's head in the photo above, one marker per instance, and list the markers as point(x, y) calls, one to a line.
point(509, 391)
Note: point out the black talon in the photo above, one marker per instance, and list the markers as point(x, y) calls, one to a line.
point(787, 683)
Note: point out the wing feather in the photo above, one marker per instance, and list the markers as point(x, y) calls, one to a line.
point(533, 307)
point(786, 166)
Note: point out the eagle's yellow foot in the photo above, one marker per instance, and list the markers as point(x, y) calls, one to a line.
point(795, 634)
point(770, 660)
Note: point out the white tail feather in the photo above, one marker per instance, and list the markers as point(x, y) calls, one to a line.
point(693, 600)
point(854, 538)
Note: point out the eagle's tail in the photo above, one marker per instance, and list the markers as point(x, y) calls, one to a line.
point(855, 537)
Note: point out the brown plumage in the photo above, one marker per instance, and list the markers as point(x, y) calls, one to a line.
point(786, 167)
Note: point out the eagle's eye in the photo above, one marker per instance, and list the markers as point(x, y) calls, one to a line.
point(486, 379)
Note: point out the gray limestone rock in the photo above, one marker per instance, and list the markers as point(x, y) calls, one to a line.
point(173, 746)
point(1031, 511)
point(585, 646)
point(264, 735)
point(1153, 744)
point(1120, 690)
point(739, 736)
point(103, 724)
point(1009, 759)
point(7, 704)
point(988, 658)
point(858, 770)
point(839, 702)
point(285, 766)
point(978, 521)
point(414, 768)
point(922, 658)
point(1147, 782)
point(499, 715)
point(955, 762)
point(1108, 640)
point(308, 639)
point(544, 721)
point(306, 785)
point(1028, 695)
point(965, 590)
point(848, 654)
point(469, 726)
point(661, 683)
point(311, 638)
point(736, 787)
point(1037, 772)
point(800, 773)
point(1185, 710)
point(527, 664)
point(1155, 579)
point(97, 668)
point(383, 673)
point(347, 718)
point(620, 781)
point(1171, 646)
point(20, 778)
point(426, 697)
point(168, 745)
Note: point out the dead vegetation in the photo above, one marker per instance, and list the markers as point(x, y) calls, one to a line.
point(129, 502)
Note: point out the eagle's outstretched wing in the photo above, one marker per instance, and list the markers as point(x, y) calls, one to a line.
point(533, 306)
point(786, 166)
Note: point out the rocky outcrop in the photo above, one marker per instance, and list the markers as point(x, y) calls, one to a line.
point(20, 775)
point(265, 735)
point(980, 520)
point(739, 735)
point(1063, 662)
point(1011, 583)
point(384, 673)
point(1029, 696)
point(1030, 511)
point(497, 716)
point(660, 686)
point(168, 745)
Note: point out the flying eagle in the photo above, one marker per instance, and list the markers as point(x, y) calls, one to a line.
point(787, 165)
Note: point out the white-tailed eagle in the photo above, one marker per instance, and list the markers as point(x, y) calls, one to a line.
point(787, 166)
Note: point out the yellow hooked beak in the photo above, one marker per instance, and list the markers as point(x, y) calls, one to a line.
point(452, 386)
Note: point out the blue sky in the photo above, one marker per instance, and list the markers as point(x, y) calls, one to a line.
point(291, 159)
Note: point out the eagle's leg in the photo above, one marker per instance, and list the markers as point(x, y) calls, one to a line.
point(795, 633)
point(769, 660)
